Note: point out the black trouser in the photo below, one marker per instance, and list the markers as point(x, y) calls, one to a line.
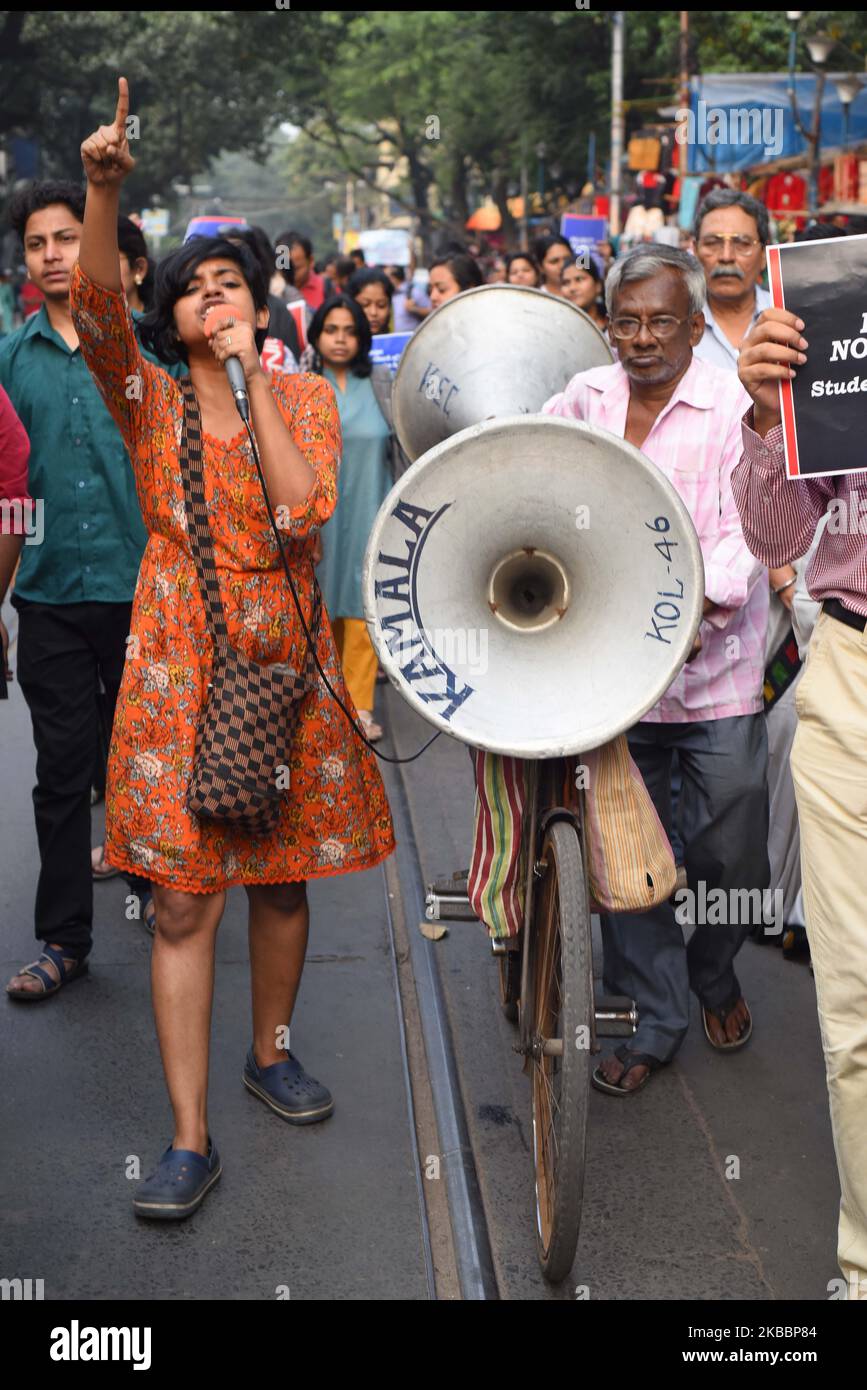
point(61, 650)
point(724, 825)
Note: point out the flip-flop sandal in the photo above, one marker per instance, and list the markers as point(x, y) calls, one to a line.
point(98, 867)
point(631, 1059)
point(149, 915)
point(721, 1015)
point(38, 971)
point(370, 726)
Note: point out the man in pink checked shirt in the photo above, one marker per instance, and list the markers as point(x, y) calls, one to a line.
point(829, 755)
point(685, 415)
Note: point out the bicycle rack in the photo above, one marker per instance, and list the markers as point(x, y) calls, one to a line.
point(616, 1014)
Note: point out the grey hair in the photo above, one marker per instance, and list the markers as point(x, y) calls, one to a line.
point(733, 198)
point(648, 259)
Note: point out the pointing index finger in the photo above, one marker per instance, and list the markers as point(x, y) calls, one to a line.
point(122, 104)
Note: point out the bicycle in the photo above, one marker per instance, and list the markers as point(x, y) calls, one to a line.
point(546, 987)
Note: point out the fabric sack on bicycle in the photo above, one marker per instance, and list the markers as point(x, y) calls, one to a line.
point(630, 862)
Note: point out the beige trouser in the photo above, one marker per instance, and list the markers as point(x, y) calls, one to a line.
point(829, 767)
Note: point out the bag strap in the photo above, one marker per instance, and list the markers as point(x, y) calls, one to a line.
point(191, 459)
point(193, 476)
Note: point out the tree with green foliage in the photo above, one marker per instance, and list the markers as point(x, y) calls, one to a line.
point(459, 99)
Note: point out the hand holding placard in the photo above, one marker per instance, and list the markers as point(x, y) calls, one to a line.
point(771, 352)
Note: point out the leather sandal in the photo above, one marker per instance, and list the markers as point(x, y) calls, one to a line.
point(98, 867)
point(721, 1014)
point(149, 914)
point(50, 984)
point(369, 725)
point(630, 1059)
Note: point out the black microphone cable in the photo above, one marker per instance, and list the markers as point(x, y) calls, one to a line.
point(332, 692)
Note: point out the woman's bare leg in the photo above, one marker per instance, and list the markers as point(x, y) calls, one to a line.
point(279, 920)
point(182, 982)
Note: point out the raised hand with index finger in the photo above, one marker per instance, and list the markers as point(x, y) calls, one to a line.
point(105, 154)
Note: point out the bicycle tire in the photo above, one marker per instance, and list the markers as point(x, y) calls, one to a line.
point(561, 991)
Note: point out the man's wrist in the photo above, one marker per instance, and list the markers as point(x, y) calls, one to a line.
point(765, 420)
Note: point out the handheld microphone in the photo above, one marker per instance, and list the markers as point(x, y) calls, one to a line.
point(234, 370)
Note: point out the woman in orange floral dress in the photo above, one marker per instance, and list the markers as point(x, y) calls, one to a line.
point(335, 819)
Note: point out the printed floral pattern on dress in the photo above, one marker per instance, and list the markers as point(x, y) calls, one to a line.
point(335, 816)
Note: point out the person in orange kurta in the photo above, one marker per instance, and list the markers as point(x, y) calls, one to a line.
point(335, 816)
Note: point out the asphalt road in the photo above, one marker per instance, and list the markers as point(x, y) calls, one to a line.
point(332, 1211)
point(325, 1211)
point(661, 1220)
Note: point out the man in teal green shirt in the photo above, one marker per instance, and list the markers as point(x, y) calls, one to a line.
point(74, 591)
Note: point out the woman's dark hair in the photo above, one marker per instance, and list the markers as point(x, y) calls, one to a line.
point(43, 193)
point(361, 365)
point(542, 245)
point(368, 276)
point(818, 231)
point(448, 246)
point(131, 243)
point(290, 239)
point(257, 240)
point(591, 269)
point(524, 256)
point(157, 329)
point(465, 271)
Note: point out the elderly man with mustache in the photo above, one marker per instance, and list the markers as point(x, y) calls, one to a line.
point(731, 233)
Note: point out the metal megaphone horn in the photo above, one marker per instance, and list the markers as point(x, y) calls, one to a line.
point(495, 350)
point(532, 586)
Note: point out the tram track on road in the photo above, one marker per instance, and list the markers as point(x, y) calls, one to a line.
point(455, 1246)
point(467, 1269)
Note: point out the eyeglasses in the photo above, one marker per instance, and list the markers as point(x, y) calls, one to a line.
point(662, 326)
point(741, 245)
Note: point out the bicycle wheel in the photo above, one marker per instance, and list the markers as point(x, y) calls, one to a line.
point(561, 990)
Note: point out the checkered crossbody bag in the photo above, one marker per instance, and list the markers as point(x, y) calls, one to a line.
point(246, 732)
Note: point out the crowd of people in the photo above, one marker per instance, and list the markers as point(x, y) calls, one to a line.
point(113, 652)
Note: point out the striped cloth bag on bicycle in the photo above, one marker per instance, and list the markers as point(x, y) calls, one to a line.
point(630, 863)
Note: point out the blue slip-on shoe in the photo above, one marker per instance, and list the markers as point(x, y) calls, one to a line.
point(178, 1184)
point(288, 1090)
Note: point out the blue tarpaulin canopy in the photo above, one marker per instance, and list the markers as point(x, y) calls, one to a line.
point(744, 118)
